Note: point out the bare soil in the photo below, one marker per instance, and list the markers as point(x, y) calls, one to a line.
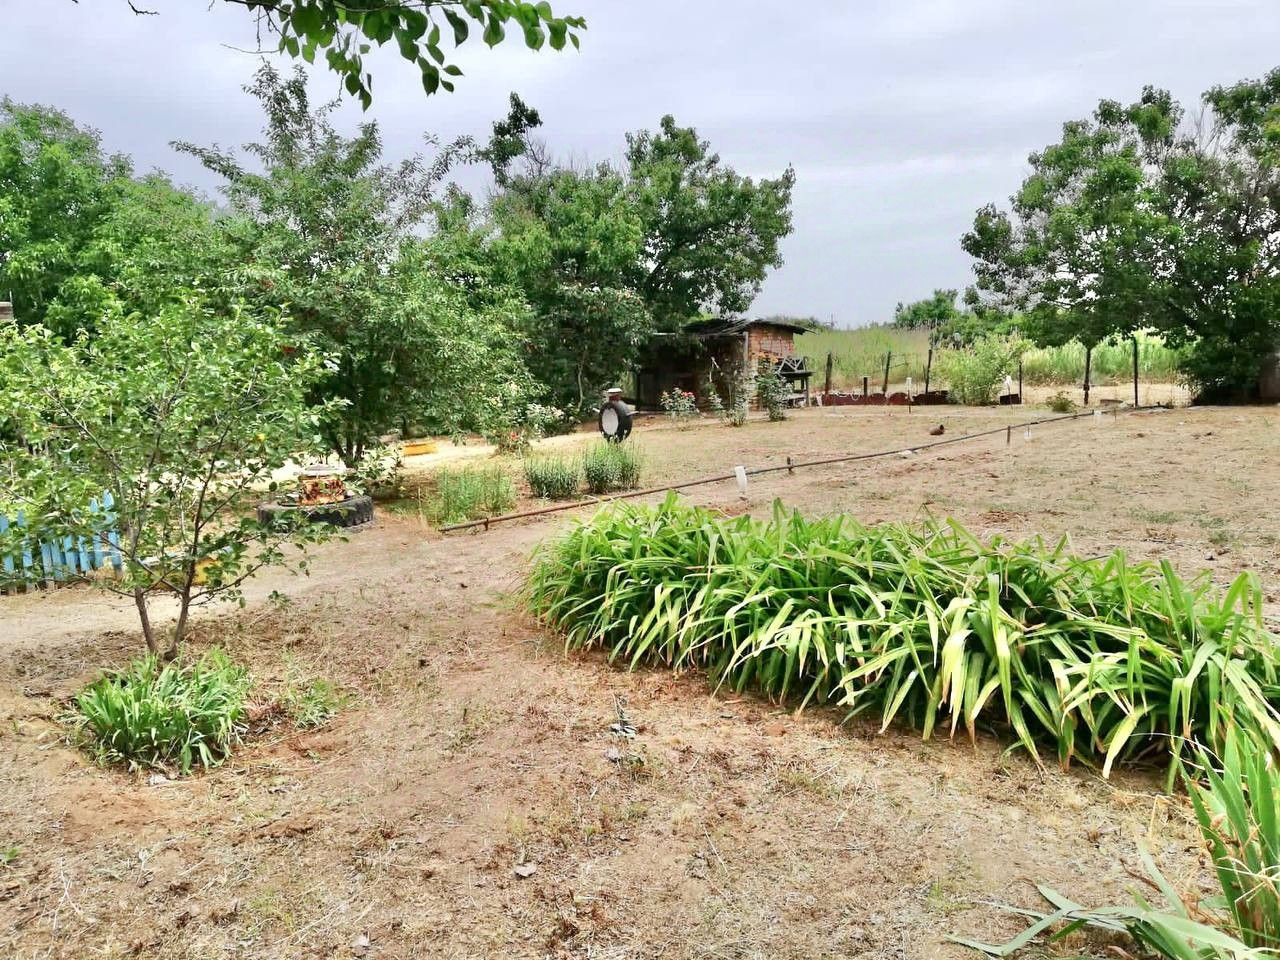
point(470, 800)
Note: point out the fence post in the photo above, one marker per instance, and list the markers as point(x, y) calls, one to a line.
point(830, 361)
point(1088, 362)
point(8, 558)
point(887, 358)
point(1135, 370)
point(866, 386)
point(928, 367)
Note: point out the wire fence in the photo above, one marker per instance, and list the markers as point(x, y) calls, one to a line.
point(792, 465)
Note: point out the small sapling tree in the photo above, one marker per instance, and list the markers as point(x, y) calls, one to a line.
point(182, 416)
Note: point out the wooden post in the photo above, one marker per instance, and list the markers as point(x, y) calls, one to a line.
point(1135, 371)
point(1088, 362)
point(887, 358)
point(830, 361)
point(1020, 380)
point(928, 367)
point(866, 386)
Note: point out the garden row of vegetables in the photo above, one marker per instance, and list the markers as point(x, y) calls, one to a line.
point(1101, 659)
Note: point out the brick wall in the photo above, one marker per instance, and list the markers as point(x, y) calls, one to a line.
point(764, 340)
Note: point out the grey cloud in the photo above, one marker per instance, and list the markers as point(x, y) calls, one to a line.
point(900, 116)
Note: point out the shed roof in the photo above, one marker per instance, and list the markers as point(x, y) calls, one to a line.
point(728, 326)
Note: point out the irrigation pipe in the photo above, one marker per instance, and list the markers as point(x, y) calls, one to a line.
point(790, 467)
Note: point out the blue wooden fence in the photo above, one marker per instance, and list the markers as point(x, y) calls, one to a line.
point(45, 562)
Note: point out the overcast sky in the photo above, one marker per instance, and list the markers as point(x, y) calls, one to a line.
point(901, 117)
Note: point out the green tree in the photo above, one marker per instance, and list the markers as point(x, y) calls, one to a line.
point(1078, 256)
point(613, 258)
point(710, 234)
point(1219, 285)
point(328, 230)
point(181, 415)
point(937, 311)
point(80, 234)
point(345, 31)
point(570, 242)
point(1138, 220)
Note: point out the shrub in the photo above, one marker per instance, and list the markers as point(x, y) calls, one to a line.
point(679, 405)
point(715, 403)
point(611, 466)
point(1061, 403)
point(1237, 804)
point(772, 390)
point(974, 374)
point(164, 715)
point(514, 429)
point(378, 472)
point(1100, 657)
point(466, 493)
point(554, 478)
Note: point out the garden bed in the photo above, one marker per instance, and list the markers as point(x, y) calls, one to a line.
point(471, 745)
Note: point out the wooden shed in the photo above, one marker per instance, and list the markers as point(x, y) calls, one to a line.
point(718, 350)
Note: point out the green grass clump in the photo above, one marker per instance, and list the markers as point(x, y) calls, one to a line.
point(467, 493)
point(553, 478)
point(1102, 658)
point(312, 703)
point(1236, 798)
point(164, 715)
point(608, 467)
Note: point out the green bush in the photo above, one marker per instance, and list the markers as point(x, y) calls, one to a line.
point(1104, 658)
point(553, 478)
point(312, 703)
point(1061, 403)
point(974, 374)
point(772, 391)
point(611, 466)
point(466, 493)
point(164, 716)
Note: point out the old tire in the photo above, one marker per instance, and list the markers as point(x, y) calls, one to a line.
point(351, 512)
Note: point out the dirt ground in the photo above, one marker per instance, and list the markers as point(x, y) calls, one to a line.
point(472, 746)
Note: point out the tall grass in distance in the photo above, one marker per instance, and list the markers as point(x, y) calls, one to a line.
point(861, 352)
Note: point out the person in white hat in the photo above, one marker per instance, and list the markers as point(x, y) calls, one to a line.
point(615, 416)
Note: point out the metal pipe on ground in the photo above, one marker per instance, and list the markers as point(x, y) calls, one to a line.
point(790, 466)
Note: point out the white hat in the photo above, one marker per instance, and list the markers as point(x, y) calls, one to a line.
point(614, 390)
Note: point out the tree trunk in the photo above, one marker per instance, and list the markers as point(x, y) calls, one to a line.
point(148, 632)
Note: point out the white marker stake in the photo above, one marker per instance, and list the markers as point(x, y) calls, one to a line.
point(1026, 434)
point(1097, 417)
point(741, 474)
point(909, 384)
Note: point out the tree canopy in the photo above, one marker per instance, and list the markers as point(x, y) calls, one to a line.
point(327, 230)
point(345, 31)
point(1139, 220)
point(612, 257)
